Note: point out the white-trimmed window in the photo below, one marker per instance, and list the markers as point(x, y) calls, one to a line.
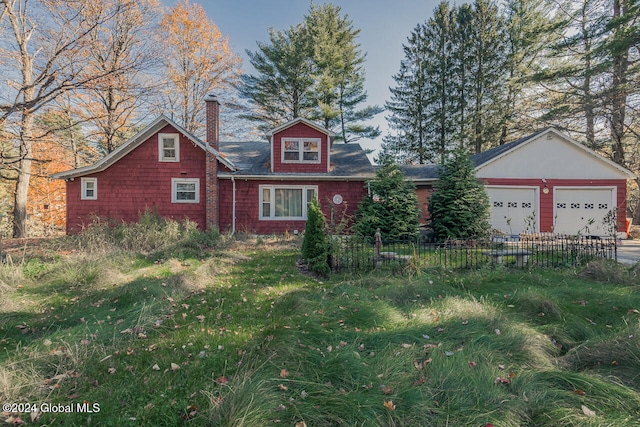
point(89, 188)
point(301, 150)
point(285, 202)
point(185, 190)
point(168, 147)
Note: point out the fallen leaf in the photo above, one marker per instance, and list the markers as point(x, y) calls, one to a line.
point(472, 364)
point(301, 424)
point(111, 370)
point(502, 380)
point(389, 405)
point(588, 412)
point(386, 390)
point(200, 317)
point(222, 379)
point(420, 380)
point(283, 387)
point(579, 392)
point(174, 366)
point(497, 331)
point(284, 373)
point(633, 310)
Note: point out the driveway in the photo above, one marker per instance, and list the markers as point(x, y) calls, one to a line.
point(629, 251)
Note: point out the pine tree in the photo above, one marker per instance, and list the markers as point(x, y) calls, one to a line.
point(315, 246)
point(282, 88)
point(339, 74)
point(439, 88)
point(391, 205)
point(408, 142)
point(313, 70)
point(529, 31)
point(459, 206)
point(487, 74)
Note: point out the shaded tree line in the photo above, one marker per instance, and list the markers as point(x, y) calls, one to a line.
point(484, 73)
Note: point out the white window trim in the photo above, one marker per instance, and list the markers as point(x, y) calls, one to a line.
point(174, 189)
point(301, 151)
point(83, 184)
point(272, 206)
point(176, 138)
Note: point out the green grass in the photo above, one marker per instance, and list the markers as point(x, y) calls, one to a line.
point(234, 335)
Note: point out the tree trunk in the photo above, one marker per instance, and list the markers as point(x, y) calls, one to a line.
point(24, 176)
point(619, 92)
point(636, 211)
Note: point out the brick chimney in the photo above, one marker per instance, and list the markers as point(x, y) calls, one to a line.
point(213, 120)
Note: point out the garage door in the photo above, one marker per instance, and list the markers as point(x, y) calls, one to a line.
point(513, 209)
point(583, 210)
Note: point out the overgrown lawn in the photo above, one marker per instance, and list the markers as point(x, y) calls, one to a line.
point(233, 334)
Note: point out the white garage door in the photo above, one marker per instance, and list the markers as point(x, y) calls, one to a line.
point(514, 209)
point(583, 210)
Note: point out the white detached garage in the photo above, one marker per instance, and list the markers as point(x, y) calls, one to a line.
point(547, 182)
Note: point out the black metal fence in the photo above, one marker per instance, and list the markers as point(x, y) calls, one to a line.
point(356, 254)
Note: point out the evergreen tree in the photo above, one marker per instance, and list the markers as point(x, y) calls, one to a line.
point(439, 88)
point(573, 73)
point(281, 91)
point(487, 76)
point(529, 31)
point(391, 204)
point(459, 206)
point(451, 85)
point(408, 142)
point(313, 70)
point(315, 246)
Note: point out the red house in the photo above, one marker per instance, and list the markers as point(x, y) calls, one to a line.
point(545, 182)
point(259, 187)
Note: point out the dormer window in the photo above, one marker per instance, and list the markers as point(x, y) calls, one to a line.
point(301, 150)
point(168, 147)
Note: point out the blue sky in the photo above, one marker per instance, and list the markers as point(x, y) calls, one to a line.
point(384, 27)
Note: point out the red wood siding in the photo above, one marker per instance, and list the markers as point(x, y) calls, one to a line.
point(300, 130)
point(546, 200)
point(248, 198)
point(138, 182)
point(423, 193)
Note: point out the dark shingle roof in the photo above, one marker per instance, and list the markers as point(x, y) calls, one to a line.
point(253, 158)
point(420, 172)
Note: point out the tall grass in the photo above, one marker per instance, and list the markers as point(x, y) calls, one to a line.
point(151, 235)
point(234, 335)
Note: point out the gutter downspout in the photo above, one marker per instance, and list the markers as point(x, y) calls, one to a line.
point(233, 207)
